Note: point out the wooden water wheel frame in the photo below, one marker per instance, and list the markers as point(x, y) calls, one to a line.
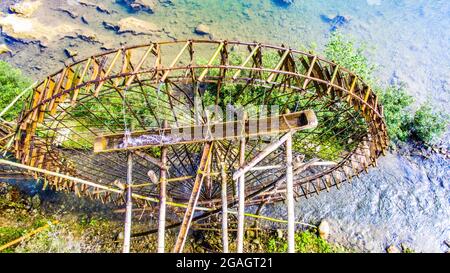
point(75, 109)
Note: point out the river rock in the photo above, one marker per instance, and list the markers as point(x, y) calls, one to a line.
point(110, 26)
point(25, 8)
point(137, 26)
point(70, 53)
point(393, 249)
point(31, 30)
point(4, 49)
point(284, 2)
point(202, 29)
point(324, 230)
point(141, 5)
point(70, 13)
point(336, 20)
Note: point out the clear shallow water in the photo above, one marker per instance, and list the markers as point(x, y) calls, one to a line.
point(406, 199)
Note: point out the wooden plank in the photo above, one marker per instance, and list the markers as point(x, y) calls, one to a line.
point(203, 133)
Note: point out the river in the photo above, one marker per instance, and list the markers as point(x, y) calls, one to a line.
point(406, 199)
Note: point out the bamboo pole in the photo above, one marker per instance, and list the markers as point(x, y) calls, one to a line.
point(26, 236)
point(265, 152)
point(290, 195)
point(129, 205)
point(162, 199)
point(134, 195)
point(187, 219)
point(241, 200)
point(6, 109)
point(224, 209)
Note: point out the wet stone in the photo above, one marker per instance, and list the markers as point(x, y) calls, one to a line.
point(141, 5)
point(70, 53)
point(25, 8)
point(202, 29)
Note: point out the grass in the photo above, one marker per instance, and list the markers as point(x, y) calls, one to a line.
point(305, 242)
point(12, 83)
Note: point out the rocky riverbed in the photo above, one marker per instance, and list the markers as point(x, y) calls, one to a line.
point(404, 200)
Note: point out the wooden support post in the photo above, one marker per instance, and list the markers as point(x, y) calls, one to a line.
point(290, 195)
point(162, 195)
point(224, 209)
point(129, 206)
point(241, 200)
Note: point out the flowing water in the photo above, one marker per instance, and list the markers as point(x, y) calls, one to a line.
point(407, 198)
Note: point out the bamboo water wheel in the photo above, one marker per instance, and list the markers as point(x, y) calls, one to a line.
point(85, 120)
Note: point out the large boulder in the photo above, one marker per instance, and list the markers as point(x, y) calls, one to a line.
point(25, 8)
point(141, 5)
point(202, 29)
point(136, 26)
point(30, 30)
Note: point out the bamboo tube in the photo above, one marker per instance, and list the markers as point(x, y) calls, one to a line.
point(241, 200)
point(290, 194)
point(129, 206)
point(187, 219)
point(85, 183)
point(162, 199)
point(265, 152)
point(224, 209)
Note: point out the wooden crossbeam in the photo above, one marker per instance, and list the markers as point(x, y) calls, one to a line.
point(206, 132)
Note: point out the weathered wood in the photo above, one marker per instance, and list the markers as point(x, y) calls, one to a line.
point(212, 132)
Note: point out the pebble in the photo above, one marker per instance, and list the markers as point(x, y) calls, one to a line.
point(393, 249)
point(324, 230)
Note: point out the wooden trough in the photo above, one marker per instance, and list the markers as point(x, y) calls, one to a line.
point(206, 132)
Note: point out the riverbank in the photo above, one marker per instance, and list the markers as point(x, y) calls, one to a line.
point(87, 227)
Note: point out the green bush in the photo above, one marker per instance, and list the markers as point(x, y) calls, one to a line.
point(425, 125)
point(395, 103)
point(305, 242)
point(428, 125)
point(344, 53)
point(12, 82)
